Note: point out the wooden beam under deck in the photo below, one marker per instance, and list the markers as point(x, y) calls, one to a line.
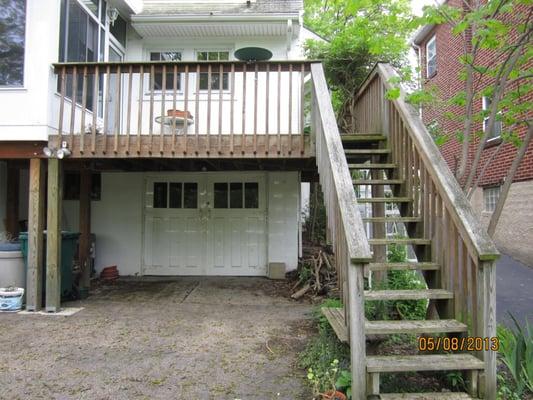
point(266, 146)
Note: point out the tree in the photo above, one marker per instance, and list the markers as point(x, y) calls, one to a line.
point(503, 30)
point(358, 34)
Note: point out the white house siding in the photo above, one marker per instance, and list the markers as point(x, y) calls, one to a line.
point(117, 219)
point(25, 111)
point(283, 218)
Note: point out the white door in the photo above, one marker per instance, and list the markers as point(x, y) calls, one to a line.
point(236, 225)
point(174, 230)
point(205, 224)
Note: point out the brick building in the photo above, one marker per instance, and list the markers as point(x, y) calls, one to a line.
point(439, 52)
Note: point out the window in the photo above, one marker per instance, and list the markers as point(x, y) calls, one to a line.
point(431, 57)
point(497, 129)
point(158, 76)
point(81, 39)
point(13, 30)
point(175, 195)
point(490, 197)
point(236, 195)
point(118, 30)
point(215, 75)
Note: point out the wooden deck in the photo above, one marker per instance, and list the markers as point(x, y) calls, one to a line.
point(203, 146)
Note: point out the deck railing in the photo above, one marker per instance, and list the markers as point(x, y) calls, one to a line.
point(352, 250)
point(460, 244)
point(223, 108)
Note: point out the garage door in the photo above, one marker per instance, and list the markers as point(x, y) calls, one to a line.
point(205, 224)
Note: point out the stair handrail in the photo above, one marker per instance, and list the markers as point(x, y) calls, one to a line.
point(352, 249)
point(462, 212)
point(462, 248)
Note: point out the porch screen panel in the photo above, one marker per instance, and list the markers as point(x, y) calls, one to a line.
point(12, 26)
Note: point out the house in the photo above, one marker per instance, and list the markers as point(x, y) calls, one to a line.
point(439, 52)
point(135, 215)
point(179, 133)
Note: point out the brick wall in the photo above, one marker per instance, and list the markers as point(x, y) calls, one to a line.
point(447, 83)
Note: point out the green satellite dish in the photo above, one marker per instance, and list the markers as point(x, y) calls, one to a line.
point(251, 54)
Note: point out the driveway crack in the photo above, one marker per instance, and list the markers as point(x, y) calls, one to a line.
point(189, 292)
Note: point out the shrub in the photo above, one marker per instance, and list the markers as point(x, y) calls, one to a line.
point(398, 309)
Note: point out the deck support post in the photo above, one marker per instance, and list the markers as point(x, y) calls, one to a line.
point(85, 225)
point(53, 236)
point(12, 200)
point(34, 278)
point(357, 329)
point(486, 325)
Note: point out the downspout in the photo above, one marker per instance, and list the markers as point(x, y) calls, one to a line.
point(419, 58)
point(289, 36)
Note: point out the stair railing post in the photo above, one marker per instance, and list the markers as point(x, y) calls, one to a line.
point(486, 325)
point(357, 329)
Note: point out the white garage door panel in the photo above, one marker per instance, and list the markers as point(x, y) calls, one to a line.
point(205, 240)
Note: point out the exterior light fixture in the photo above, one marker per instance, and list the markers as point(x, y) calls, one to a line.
point(112, 15)
point(48, 152)
point(63, 153)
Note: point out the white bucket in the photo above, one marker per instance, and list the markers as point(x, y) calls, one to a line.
point(11, 299)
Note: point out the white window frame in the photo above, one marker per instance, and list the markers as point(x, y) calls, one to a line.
point(491, 195)
point(431, 42)
point(148, 57)
point(485, 105)
point(212, 50)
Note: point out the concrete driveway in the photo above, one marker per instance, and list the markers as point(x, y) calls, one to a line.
point(186, 338)
point(514, 291)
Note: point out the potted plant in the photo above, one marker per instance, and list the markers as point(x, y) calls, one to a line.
point(326, 380)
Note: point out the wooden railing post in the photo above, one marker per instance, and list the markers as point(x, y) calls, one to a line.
point(486, 325)
point(357, 329)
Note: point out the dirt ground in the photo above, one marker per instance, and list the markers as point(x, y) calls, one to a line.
point(186, 338)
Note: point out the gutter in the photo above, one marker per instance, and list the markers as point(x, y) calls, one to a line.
point(213, 18)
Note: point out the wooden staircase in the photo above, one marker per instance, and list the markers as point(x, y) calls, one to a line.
point(396, 164)
point(383, 171)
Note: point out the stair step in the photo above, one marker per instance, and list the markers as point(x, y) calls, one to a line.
point(423, 266)
point(404, 241)
point(426, 396)
point(432, 362)
point(415, 327)
point(420, 294)
point(385, 200)
point(335, 317)
point(372, 166)
point(362, 138)
point(366, 151)
point(393, 219)
point(378, 181)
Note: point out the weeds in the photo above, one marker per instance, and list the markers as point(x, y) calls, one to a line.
point(516, 350)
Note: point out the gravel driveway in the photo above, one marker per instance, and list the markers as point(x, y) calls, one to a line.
point(186, 338)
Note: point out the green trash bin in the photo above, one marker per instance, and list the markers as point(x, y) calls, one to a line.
point(69, 245)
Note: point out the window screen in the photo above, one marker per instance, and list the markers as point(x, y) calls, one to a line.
point(12, 28)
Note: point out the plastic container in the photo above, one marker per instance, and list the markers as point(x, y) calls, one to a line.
point(69, 245)
point(11, 299)
point(12, 269)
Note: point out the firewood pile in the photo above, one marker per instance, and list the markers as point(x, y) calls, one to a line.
point(316, 275)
